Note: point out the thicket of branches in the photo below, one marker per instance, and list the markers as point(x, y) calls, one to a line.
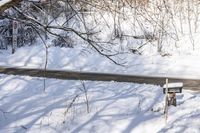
point(154, 22)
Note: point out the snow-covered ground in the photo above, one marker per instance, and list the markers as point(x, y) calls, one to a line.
point(87, 60)
point(113, 107)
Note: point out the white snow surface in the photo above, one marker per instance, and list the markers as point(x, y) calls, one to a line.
point(171, 85)
point(3, 2)
point(113, 107)
point(80, 59)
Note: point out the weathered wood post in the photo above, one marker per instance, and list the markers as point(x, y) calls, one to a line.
point(171, 98)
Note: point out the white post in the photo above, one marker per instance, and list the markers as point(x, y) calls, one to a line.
point(166, 101)
point(14, 35)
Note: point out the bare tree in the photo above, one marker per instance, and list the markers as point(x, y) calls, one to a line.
point(157, 20)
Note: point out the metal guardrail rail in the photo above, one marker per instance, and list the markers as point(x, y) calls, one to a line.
point(188, 83)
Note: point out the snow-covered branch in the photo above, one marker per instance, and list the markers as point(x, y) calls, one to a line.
point(5, 4)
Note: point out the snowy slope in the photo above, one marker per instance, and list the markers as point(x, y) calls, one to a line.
point(88, 60)
point(113, 107)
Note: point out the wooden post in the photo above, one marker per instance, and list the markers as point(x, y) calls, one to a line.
point(172, 99)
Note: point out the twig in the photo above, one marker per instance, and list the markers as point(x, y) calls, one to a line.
point(71, 104)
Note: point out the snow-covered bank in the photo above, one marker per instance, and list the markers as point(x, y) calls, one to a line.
point(114, 107)
point(82, 60)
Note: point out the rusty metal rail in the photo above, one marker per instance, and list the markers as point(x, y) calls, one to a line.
point(188, 83)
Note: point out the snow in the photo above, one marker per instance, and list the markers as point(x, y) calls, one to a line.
point(3, 2)
point(173, 85)
point(79, 59)
point(113, 107)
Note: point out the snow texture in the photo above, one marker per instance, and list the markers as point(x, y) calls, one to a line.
point(113, 107)
point(80, 59)
point(3, 2)
point(173, 85)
